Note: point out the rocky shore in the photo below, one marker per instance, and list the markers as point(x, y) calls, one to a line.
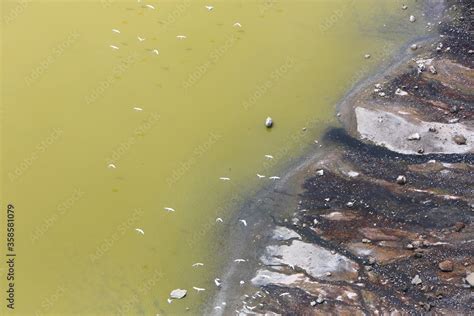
point(381, 221)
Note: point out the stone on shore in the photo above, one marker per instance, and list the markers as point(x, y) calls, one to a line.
point(446, 266)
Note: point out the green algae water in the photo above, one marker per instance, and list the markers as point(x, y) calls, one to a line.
point(113, 111)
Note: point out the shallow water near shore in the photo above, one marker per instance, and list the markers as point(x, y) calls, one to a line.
point(103, 129)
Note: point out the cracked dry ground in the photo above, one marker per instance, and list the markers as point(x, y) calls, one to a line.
point(361, 243)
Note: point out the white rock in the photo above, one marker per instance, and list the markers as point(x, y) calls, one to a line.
point(269, 122)
point(470, 279)
point(416, 280)
point(320, 172)
point(401, 92)
point(414, 136)
point(353, 174)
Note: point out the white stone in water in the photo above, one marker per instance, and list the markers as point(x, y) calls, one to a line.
point(404, 7)
point(178, 294)
point(320, 172)
point(269, 122)
point(412, 18)
point(414, 46)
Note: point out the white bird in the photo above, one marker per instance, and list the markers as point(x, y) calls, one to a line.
point(140, 231)
point(150, 6)
point(114, 47)
point(260, 176)
point(141, 39)
point(217, 307)
point(181, 37)
point(169, 209)
point(169, 301)
point(111, 165)
point(199, 289)
point(219, 220)
point(274, 178)
point(218, 282)
point(209, 7)
point(224, 178)
point(138, 109)
point(242, 282)
point(269, 156)
point(156, 51)
point(243, 221)
point(237, 24)
point(198, 264)
point(240, 260)
point(116, 31)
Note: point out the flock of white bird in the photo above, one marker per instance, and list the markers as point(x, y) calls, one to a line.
point(217, 281)
point(180, 37)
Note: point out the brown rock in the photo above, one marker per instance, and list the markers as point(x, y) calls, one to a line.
point(460, 140)
point(446, 266)
point(459, 226)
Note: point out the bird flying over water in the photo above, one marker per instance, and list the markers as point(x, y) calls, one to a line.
point(260, 176)
point(209, 7)
point(169, 209)
point(240, 260)
point(114, 47)
point(111, 165)
point(243, 221)
point(224, 178)
point(156, 51)
point(269, 156)
point(199, 289)
point(116, 31)
point(138, 109)
point(141, 39)
point(219, 220)
point(181, 37)
point(149, 6)
point(274, 178)
point(198, 264)
point(237, 24)
point(140, 231)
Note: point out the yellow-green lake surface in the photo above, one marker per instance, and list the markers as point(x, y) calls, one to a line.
point(114, 110)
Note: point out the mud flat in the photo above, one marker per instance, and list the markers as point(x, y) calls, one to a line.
point(380, 221)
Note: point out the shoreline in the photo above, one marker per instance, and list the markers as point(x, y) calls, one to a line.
point(327, 219)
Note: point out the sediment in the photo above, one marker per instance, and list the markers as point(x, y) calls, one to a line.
point(381, 222)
